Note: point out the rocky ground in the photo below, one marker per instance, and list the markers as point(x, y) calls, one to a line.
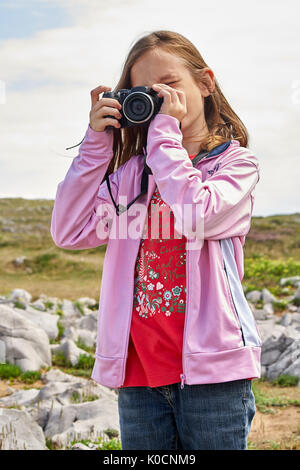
point(57, 338)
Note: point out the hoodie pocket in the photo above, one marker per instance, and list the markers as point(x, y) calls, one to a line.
point(231, 303)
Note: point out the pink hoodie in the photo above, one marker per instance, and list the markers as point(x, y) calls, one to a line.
point(221, 341)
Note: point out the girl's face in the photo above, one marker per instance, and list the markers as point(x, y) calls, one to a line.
point(159, 66)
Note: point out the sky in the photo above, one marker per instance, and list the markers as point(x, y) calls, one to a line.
point(53, 53)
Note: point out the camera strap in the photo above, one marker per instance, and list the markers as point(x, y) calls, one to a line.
point(144, 182)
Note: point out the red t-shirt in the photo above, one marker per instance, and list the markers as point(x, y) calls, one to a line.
point(156, 333)
point(157, 325)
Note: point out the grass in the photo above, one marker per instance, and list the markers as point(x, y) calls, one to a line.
point(100, 442)
point(82, 368)
point(12, 371)
point(265, 272)
point(76, 398)
point(266, 400)
point(81, 345)
point(286, 380)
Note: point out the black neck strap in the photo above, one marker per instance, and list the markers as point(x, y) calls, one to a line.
point(144, 182)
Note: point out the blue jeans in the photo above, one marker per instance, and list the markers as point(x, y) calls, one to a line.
point(197, 417)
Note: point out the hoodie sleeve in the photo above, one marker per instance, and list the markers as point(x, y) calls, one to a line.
point(219, 207)
point(83, 207)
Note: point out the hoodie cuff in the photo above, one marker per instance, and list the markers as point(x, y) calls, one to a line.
point(100, 141)
point(165, 126)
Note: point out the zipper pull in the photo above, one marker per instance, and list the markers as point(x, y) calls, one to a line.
point(182, 376)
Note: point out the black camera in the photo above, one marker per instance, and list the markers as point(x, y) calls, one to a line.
point(139, 105)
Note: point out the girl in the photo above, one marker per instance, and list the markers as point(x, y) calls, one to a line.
point(176, 336)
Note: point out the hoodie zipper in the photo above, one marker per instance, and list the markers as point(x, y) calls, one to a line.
point(183, 376)
point(132, 297)
point(128, 331)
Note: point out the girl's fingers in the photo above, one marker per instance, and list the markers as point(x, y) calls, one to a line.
point(96, 92)
point(181, 97)
point(167, 96)
point(171, 92)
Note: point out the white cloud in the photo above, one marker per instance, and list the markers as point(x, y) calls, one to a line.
point(253, 51)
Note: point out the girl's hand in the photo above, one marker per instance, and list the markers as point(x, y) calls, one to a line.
point(174, 102)
point(103, 107)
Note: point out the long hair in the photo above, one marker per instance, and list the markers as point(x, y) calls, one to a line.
point(222, 122)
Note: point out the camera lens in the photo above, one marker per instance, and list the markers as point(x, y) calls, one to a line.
point(138, 107)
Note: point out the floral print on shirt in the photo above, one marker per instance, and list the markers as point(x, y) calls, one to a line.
point(159, 284)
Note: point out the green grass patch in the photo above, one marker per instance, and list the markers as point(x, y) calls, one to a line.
point(18, 304)
point(81, 345)
point(83, 367)
point(101, 443)
point(79, 307)
point(286, 380)
point(76, 398)
point(52, 263)
point(85, 362)
point(59, 360)
point(264, 272)
point(61, 330)
point(12, 371)
point(9, 371)
point(280, 305)
point(264, 402)
point(30, 376)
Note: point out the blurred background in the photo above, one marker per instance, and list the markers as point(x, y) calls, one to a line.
point(54, 52)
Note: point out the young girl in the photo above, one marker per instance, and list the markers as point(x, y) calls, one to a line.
point(176, 336)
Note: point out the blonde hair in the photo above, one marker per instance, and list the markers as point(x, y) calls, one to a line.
point(222, 122)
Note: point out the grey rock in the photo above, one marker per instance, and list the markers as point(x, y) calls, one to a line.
point(20, 397)
point(267, 296)
point(287, 363)
point(82, 421)
point(19, 431)
point(69, 309)
point(254, 296)
point(259, 314)
point(44, 320)
point(85, 336)
point(20, 295)
point(2, 352)
point(89, 322)
point(87, 302)
point(293, 279)
point(297, 294)
point(292, 308)
point(26, 345)
point(39, 305)
point(262, 313)
point(56, 375)
point(266, 327)
point(268, 308)
point(277, 343)
point(286, 319)
point(19, 261)
point(79, 446)
point(69, 349)
point(296, 318)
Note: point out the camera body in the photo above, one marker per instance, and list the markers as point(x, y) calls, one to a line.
point(139, 105)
